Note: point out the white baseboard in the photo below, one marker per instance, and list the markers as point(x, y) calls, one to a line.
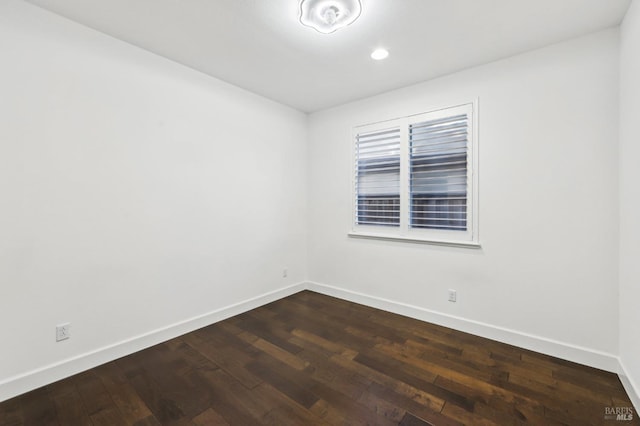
point(34, 379)
point(631, 387)
point(22, 383)
point(567, 351)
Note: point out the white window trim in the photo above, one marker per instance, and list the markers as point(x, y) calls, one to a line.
point(468, 239)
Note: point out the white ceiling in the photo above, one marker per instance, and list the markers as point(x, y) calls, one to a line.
point(259, 45)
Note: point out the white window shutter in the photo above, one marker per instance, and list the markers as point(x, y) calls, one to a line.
point(377, 180)
point(438, 173)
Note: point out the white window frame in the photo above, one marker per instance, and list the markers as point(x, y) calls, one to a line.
point(468, 238)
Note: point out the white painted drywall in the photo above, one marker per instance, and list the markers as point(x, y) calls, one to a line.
point(630, 197)
point(135, 193)
point(548, 199)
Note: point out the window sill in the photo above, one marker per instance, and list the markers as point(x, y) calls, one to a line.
point(373, 236)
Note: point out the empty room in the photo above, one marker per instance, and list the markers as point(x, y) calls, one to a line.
point(319, 212)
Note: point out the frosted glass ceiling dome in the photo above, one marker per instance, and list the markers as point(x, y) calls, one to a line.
point(327, 16)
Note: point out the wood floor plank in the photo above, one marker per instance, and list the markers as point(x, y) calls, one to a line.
point(232, 360)
point(178, 383)
point(97, 401)
point(485, 393)
point(435, 363)
point(466, 417)
point(285, 410)
point(107, 417)
point(280, 354)
point(38, 409)
point(411, 420)
point(268, 332)
point(608, 381)
point(195, 360)
point(131, 406)
point(318, 341)
point(11, 413)
point(148, 421)
point(164, 380)
point(382, 407)
point(343, 380)
point(236, 394)
point(421, 411)
point(286, 416)
point(209, 417)
point(353, 412)
point(310, 359)
point(163, 409)
point(420, 379)
point(285, 379)
point(557, 405)
point(322, 325)
point(417, 395)
point(70, 409)
point(328, 413)
point(221, 402)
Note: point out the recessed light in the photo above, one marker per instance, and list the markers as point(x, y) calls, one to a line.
point(379, 54)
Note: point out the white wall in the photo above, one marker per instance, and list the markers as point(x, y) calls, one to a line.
point(135, 194)
point(630, 200)
point(546, 276)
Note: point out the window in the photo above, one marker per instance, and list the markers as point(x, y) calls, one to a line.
point(414, 178)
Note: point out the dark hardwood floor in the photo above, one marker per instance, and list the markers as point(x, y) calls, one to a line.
point(311, 359)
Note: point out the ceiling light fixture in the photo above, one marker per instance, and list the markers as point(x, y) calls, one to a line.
point(379, 54)
point(327, 16)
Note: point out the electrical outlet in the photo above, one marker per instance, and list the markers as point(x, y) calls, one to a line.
point(285, 273)
point(453, 295)
point(63, 331)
